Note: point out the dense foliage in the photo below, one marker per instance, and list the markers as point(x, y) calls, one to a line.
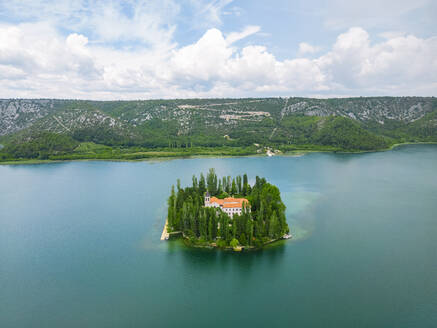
point(261, 222)
point(345, 134)
point(165, 128)
point(39, 146)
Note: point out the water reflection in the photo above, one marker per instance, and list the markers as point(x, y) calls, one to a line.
point(213, 259)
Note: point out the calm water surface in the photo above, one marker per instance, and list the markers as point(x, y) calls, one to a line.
point(79, 246)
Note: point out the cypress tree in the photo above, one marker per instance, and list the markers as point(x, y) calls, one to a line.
point(239, 186)
point(273, 226)
point(211, 180)
point(172, 208)
point(234, 229)
point(229, 184)
point(195, 184)
point(219, 188)
point(214, 221)
point(260, 222)
point(228, 232)
point(210, 228)
point(203, 228)
point(249, 231)
point(245, 183)
point(185, 217)
point(234, 187)
point(202, 184)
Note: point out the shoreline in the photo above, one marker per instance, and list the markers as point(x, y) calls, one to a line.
point(213, 246)
point(165, 235)
point(168, 158)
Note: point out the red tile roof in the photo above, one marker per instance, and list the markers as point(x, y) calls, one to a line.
point(230, 202)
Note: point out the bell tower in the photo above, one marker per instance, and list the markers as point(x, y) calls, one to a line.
point(207, 198)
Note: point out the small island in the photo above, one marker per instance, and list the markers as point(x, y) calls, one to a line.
point(226, 213)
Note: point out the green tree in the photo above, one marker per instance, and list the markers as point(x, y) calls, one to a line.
point(234, 243)
point(224, 184)
point(249, 232)
point(260, 230)
point(186, 223)
point(220, 188)
point(210, 229)
point(211, 180)
point(245, 183)
point(274, 228)
point(234, 188)
point(202, 184)
point(203, 227)
point(239, 186)
point(171, 216)
point(243, 239)
point(195, 183)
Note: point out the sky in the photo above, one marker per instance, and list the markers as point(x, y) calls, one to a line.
point(138, 49)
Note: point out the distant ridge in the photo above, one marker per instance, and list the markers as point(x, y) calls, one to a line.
point(363, 123)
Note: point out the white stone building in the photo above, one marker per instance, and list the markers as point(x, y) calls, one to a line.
point(229, 205)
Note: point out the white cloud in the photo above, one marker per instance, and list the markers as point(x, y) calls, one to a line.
point(202, 60)
point(236, 36)
point(306, 48)
point(402, 64)
point(208, 13)
point(146, 21)
point(37, 61)
point(11, 73)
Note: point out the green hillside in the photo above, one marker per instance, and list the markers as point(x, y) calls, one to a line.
point(59, 129)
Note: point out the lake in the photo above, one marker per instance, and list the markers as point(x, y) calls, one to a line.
point(79, 245)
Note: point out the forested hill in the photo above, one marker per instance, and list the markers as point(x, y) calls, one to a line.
point(282, 123)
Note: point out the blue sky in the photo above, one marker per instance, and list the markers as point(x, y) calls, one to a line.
point(140, 49)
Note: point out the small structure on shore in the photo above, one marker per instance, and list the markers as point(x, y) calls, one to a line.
point(165, 235)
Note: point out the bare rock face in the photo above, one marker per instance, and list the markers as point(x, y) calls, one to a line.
point(17, 114)
point(379, 109)
point(77, 118)
point(65, 116)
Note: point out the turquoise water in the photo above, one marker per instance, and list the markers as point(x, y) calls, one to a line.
point(79, 246)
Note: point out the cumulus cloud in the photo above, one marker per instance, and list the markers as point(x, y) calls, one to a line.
point(402, 64)
point(306, 48)
point(37, 61)
point(203, 59)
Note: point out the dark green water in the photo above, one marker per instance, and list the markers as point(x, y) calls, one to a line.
point(79, 246)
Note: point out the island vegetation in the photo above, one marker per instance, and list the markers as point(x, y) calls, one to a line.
point(261, 221)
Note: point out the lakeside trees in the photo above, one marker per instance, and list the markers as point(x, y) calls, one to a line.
point(264, 220)
point(40, 146)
